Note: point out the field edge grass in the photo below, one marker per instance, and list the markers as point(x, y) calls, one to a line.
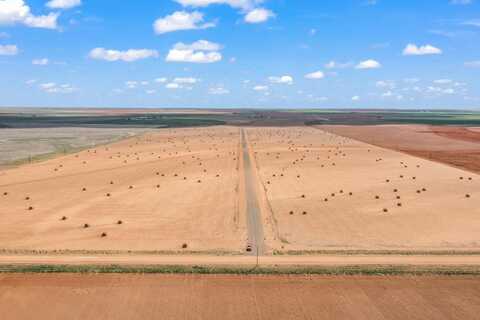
point(373, 270)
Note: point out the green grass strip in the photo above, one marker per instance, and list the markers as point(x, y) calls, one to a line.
point(374, 270)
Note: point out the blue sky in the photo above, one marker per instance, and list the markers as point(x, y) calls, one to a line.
point(240, 53)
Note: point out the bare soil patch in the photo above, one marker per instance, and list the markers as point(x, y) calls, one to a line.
point(456, 146)
point(74, 296)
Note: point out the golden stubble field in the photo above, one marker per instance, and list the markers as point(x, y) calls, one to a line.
point(166, 190)
point(183, 190)
point(327, 192)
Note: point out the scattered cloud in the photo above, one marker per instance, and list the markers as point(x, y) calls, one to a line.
point(131, 84)
point(126, 56)
point(188, 80)
point(4, 35)
point(315, 75)
point(389, 84)
point(259, 15)
point(472, 64)
point(181, 20)
point(472, 23)
point(281, 80)
point(52, 87)
point(161, 80)
point(172, 86)
point(8, 50)
point(368, 64)
point(218, 91)
point(261, 88)
point(63, 4)
point(461, 2)
point(338, 65)
point(200, 45)
point(201, 51)
point(414, 50)
point(443, 81)
point(40, 62)
point(18, 12)
point(238, 4)
point(411, 80)
point(355, 98)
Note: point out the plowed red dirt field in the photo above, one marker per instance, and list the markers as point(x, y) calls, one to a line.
point(456, 146)
point(66, 296)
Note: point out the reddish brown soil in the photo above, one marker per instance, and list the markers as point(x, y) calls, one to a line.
point(74, 296)
point(456, 146)
point(458, 133)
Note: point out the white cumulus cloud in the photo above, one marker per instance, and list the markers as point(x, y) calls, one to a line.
point(239, 4)
point(261, 88)
point(52, 87)
point(281, 80)
point(198, 52)
point(368, 64)
point(414, 50)
point(172, 86)
point(188, 80)
point(181, 20)
point(63, 4)
point(315, 75)
point(40, 62)
point(258, 15)
point(18, 12)
point(8, 50)
point(126, 56)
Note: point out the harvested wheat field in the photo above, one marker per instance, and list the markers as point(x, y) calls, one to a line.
point(327, 192)
point(168, 190)
point(227, 190)
point(67, 296)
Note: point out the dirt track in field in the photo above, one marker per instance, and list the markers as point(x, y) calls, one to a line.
point(324, 260)
point(254, 218)
point(66, 296)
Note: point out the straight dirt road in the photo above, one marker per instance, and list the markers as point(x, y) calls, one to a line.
point(209, 260)
point(254, 218)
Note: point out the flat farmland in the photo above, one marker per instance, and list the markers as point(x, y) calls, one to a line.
point(327, 192)
point(167, 190)
point(76, 296)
